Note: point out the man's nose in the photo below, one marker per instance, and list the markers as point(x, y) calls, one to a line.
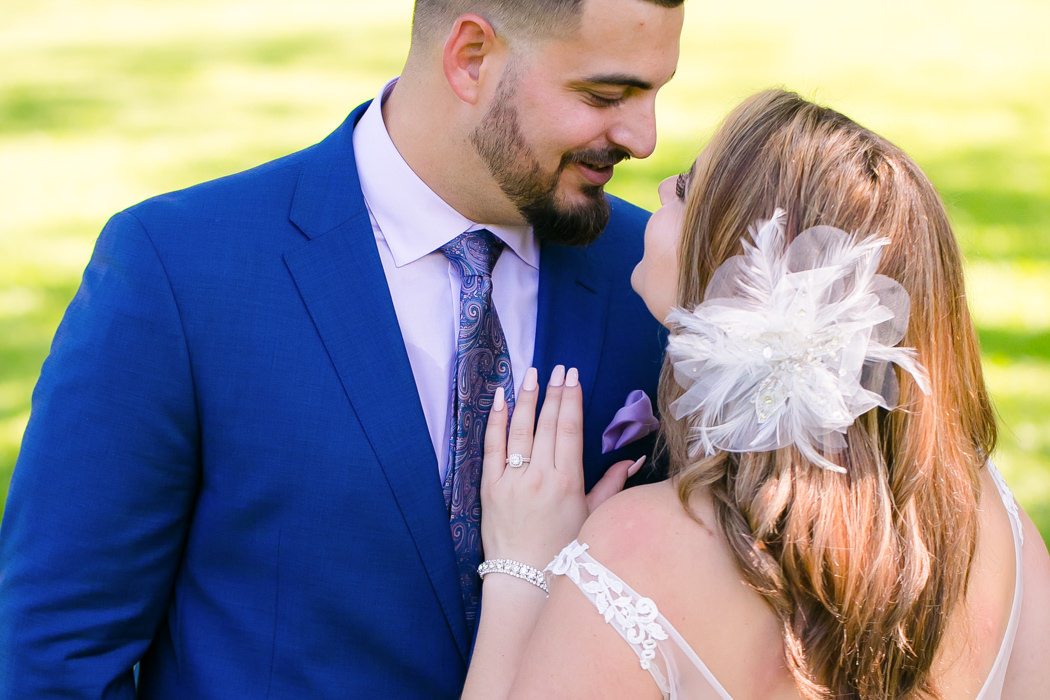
point(635, 129)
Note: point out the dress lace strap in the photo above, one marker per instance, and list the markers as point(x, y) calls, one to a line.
point(1008, 499)
point(634, 617)
point(993, 684)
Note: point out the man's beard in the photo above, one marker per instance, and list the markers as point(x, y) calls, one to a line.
point(501, 144)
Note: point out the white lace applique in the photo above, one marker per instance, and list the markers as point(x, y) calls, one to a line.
point(635, 617)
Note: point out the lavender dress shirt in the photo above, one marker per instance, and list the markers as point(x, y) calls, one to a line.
point(411, 223)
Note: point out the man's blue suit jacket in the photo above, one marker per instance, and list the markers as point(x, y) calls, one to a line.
point(227, 474)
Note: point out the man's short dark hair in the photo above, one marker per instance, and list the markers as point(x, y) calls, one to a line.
point(529, 18)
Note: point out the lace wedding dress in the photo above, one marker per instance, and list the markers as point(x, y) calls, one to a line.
point(678, 671)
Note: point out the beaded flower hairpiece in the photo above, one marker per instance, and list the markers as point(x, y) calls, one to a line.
point(791, 344)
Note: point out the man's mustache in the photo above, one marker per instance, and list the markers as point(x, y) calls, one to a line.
point(597, 157)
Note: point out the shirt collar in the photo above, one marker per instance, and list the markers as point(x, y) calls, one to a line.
point(411, 217)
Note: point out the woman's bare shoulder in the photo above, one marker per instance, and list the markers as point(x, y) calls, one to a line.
point(646, 531)
point(645, 516)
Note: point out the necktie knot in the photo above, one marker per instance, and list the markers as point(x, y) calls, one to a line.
point(474, 253)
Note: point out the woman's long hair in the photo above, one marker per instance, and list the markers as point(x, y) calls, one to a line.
point(862, 570)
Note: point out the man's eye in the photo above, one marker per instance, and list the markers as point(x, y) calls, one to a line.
point(604, 101)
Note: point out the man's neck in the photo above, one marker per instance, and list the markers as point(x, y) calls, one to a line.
point(429, 127)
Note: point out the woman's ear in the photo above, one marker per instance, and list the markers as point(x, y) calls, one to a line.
point(471, 43)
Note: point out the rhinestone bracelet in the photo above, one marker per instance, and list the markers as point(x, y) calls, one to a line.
point(515, 569)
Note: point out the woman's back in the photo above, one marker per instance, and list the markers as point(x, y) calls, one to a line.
point(687, 568)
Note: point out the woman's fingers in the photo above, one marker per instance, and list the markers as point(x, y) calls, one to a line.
point(612, 482)
point(555, 438)
point(547, 423)
point(531, 511)
point(568, 444)
point(495, 440)
point(519, 440)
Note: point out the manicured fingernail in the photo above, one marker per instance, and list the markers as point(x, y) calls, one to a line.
point(572, 377)
point(633, 469)
point(558, 375)
point(531, 382)
point(498, 400)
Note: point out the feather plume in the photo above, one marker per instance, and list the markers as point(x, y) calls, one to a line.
point(791, 344)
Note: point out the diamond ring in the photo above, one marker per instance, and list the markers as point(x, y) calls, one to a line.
point(516, 460)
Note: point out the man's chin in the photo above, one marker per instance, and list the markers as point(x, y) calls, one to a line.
point(579, 194)
point(574, 225)
point(574, 201)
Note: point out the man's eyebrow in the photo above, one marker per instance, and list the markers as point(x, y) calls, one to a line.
point(619, 80)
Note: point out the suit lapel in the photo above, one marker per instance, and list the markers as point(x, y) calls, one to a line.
point(340, 277)
point(573, 302)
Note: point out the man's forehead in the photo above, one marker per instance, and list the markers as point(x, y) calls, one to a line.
point(630, 43)
point(619, 16)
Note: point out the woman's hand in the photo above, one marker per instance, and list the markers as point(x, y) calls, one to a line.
point(530, 512)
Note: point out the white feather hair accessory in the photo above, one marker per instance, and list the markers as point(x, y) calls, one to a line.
point(791, 344)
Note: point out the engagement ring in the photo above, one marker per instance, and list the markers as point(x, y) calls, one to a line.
point(515, 460)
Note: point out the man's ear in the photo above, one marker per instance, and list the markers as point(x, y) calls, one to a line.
point(470, 44)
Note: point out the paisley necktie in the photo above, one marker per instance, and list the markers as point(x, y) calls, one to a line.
point(482, 364)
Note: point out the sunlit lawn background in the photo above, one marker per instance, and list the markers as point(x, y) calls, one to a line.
point(106, 102)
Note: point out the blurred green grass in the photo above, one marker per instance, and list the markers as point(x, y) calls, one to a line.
point(105, 103)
